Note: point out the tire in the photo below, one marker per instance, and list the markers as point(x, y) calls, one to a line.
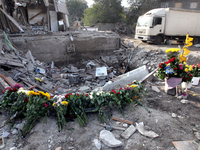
point(144, 41)
point(158, 40)
point(196, 40)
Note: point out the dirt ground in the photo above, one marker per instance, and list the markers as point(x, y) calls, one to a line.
point(159, 119)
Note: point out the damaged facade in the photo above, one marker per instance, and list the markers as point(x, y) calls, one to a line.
point(45, 15)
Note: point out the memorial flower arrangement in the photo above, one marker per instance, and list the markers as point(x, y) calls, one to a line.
point(33, 105)
point(176, 65)
point(196, 70)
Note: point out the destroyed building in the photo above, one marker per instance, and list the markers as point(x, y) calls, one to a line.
point(44, 15)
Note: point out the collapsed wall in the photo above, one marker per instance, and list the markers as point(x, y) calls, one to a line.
point(56, 47)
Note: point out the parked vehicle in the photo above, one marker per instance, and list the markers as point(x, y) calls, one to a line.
point(162, 24)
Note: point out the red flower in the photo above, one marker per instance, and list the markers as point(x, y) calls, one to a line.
point(113, 91)
point(4, 91)
point(180, 65)
point(173, 58)
point(14, 89)
point(46, 105)
point(118, 93)
point(193, 66)
point(77, 94)
point(159, 66)
point(9, 88)
point(26, 100)
point(121, 88)
point(87, 95)
point(161, 63)
point(70, 116)
point(175, 68)
point(66, 96)
point(70, 94)
point(166, 62)
point(191, 75)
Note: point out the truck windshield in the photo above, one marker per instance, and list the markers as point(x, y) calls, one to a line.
point(144, 21)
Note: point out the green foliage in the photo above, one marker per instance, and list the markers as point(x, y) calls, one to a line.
point(138, 8)
point(103, 11)
point(76, 9)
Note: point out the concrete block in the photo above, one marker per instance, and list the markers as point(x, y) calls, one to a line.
point(128, 132)
point(127, 78)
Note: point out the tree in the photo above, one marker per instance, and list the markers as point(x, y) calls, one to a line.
point(76, 9)
point(104, 11)
point(138, 8)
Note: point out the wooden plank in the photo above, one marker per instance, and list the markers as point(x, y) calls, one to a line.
point(121, 120)
point(36, 15)
point(3, 83)
point(54, 89)
point(10, 81)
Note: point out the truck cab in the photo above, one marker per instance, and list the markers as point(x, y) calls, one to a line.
point(150, 26)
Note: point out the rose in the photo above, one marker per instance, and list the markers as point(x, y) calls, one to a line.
point(113, 91)
point(66, 96)
point(175, 68)
point(87, 95)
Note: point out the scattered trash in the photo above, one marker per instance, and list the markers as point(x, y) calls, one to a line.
point(5, 134)
point(174, 115)
point(197, 45)
point(58, 148)
point(101, 71)
point(185, 145)
point(143, 131)
point(13, 148)
point(197, 134)
point(195, 81)
point(184, 101)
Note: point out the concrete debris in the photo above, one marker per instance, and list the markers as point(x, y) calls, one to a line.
point(128, 132)
point(185, 145)
point(14, 132)
point(13, 148)
point(58, 148)
point(143, 131)
point(197, 134)
point(97, 143)
point(20, 126)
point(109, 139)
point(155, 88)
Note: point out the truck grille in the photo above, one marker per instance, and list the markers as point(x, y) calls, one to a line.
point(141, 31)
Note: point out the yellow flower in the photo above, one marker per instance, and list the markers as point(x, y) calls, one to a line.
point(184, 63)
point(42, 93)
point(133, 86)
point(175, 74)
point(54, 104)
point(187, 66)
point(190, 68)
point(31, 93)
point(47, 95)
point(172, 50)
point(65, 103)
point(36, 93)
point(186, 69)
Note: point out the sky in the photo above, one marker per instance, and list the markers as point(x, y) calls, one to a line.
point(124, 3)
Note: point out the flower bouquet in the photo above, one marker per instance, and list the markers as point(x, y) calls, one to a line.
point(60, 105)
point(36, 108)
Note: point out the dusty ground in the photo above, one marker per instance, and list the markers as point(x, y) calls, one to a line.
point(160, 120)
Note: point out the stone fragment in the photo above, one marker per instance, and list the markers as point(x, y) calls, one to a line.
point(143, 131)
point(125, 125)
point(97, 143)
point(108, 139)
point(145, 62)
point(58, 148)
point(155, 88)
point(30, 67)
point(13, 148)
point(197, 134)
point(20, 126)
point(15, 132)
point(84, 89)
point(128, 132)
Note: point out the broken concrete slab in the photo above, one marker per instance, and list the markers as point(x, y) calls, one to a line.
point(109, 139)
point(128, 132)
point(185, 145)
point(127, 78)
point(97, 143)
point(29, 56)
point(143, 131)
point(84, 89)
point(155, 88)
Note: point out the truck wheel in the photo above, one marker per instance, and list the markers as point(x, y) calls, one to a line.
point(196, 40)
point(158, 39)
point(144, 41)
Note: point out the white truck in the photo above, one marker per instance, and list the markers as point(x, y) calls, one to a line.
point(162, 24)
